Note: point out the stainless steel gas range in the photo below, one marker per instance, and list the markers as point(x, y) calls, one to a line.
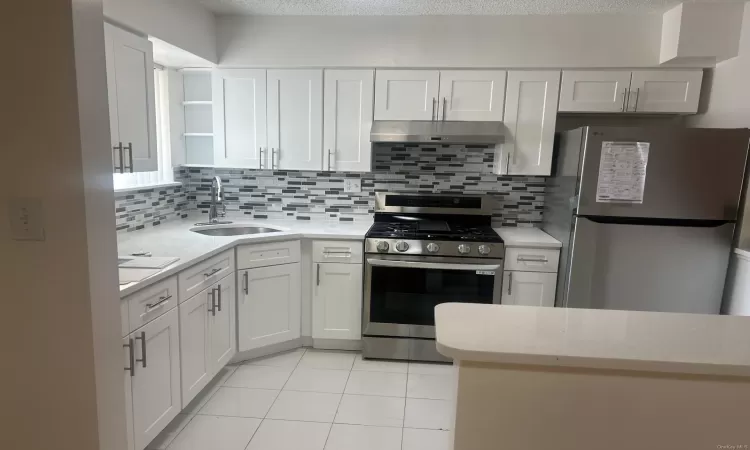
point(423, 250)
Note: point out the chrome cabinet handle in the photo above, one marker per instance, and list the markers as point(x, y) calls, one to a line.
point(142, 337)
point(527, 258)
point(212, 273)
point(162, 300)
point(434, 104)
point(129, 148)
point(624, 96)
point(260, 158)
point(317, 282)
point(218, 292)
point(131, 357)
point(246, 282)
point(507, 165)
point(637, 95)
point(115, 150)
point(445, 103)
point(510, 283)
point(330, 154)
point(212, 294)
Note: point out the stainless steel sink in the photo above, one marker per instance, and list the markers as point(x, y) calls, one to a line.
point(234, 231)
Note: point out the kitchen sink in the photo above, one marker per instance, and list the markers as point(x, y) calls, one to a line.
point(234, 231)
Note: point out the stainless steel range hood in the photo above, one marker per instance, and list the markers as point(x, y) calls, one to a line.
point(443, 132)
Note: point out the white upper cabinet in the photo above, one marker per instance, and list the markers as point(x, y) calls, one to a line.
point(648, 91)
point(156, 381)
point(473, 95)
point(239, 108)
point(337, 301)
point(132, 107)
point(530, 117)
point(665, 91)
point(594, 91)
point(347, 119)
point(269, 306)
point(295, 119)
point(406, 94)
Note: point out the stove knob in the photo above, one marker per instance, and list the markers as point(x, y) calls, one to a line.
point(433, 247)
point(383, 246)
point(464, 249)
point(402, 246)
point(484, 249)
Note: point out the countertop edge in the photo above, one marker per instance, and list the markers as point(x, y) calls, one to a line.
point(594, 363)
point(241, 240)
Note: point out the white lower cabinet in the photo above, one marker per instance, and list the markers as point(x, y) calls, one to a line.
point(127, 345)
point(337, 301)
point(155, 379)
point(529, 288)
point(207, 340)
point(268, 305)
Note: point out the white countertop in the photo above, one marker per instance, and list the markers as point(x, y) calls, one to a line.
point(174, 238)
point(744, 253)
point(599, 339)
point(527, 237)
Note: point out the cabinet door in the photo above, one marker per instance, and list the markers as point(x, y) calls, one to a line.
point(347, 119)
point(195, 359)
point(529, 288)
point(406, 94)
point(223, 342)
point(472, 95)
point(156, 384)
point(665, 91)
point(268, 306)
point(295, 119)
point(337, 301)
point(594, 90)
point(530, 115)
point(130, 82)
point(239, 108)
point(127, 345)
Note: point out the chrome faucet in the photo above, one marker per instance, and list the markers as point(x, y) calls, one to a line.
point(218, 208)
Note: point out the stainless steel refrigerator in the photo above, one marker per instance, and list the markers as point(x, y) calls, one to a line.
point(645, 215)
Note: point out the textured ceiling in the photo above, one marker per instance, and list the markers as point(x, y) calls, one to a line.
point(434, 7)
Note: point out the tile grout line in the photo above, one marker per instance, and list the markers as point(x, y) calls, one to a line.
point(304, 350)
point(341, 399)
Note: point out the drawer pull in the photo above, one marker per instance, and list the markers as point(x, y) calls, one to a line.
point(342, 255)
point(213, 272)
point(162, 300)
point(245, 282)
point(142, 337)
point(531, 258)
point(131, 357)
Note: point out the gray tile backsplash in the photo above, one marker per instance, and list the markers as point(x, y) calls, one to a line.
point(135, 210)
point(308, 195)
point(311, 195)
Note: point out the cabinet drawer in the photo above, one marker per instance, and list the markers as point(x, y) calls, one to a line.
point(337, 252)
point(532, 259)
point(270, 254)
point(204, 274)
point(151, 302)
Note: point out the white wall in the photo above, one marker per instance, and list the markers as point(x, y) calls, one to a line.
point(439, 41)
point(61, 381)
point(728, 89)
point(181, 23)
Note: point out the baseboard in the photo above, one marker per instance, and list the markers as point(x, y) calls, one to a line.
point(265, 351)
point(337, 344)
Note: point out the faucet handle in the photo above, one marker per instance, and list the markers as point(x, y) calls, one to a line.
point(223, 211)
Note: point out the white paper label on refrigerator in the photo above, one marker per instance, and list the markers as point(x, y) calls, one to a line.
point(622, 172)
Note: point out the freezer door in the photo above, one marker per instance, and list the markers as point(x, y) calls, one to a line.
point(692, 173)
point(647, 267)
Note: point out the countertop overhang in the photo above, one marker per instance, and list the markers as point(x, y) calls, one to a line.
point(595, 339)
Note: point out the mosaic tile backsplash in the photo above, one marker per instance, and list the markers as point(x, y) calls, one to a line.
point(135, 210)
point(306, 195)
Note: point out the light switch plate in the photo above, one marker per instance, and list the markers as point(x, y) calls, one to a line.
point(26, 219)
point(352, 185)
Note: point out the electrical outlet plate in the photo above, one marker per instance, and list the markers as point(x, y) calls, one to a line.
point(352, 185)
point(26, 219)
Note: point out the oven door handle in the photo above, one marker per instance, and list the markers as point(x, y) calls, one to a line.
point(429, 265)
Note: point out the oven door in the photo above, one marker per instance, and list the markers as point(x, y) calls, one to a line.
point(401, 292)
